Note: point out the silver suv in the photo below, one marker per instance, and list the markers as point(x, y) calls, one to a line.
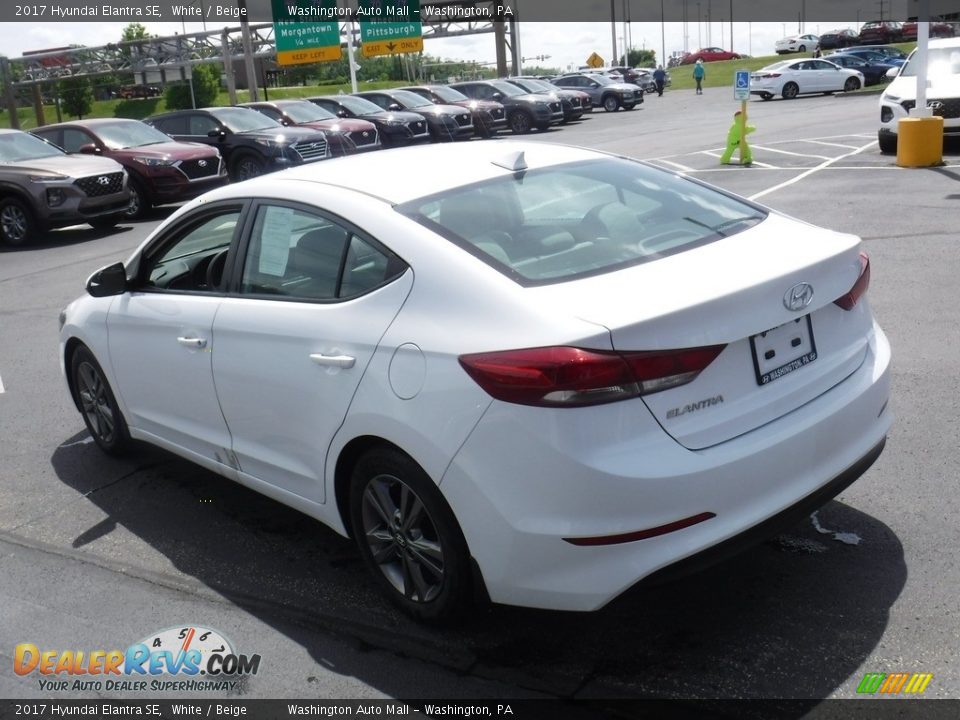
point(41, 188)
point(603, 91)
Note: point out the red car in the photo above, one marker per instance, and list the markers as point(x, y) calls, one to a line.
point(345, 135)
point(162, 170)
point(880, 32)
point(711, 54)
point(937, 30)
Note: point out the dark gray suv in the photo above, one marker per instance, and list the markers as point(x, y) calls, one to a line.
point(603, 91)
point(41, 188)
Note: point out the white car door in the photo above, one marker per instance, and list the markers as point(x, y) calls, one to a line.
point(161, 339)
point(305, 315)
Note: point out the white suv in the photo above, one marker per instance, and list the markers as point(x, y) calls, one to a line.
point(943, 92)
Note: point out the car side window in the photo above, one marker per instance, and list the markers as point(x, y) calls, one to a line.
point(381, 101)
point(194, 258)
point(52, 136)
point(200, 125)
point(73, 139)
point(302, 255)
point(270, 113)
point(171, 125)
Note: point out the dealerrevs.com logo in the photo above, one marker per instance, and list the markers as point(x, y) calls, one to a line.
point(190, 658)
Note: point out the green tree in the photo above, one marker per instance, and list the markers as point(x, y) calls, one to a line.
point(76, 96)
point(640, 58)
point(206, 87)
point(135, 31)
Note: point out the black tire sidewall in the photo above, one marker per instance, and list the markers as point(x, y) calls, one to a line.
point(31, 222)
point(528, 126)
point(241, 158)
point(455, 593)
point(121, 438)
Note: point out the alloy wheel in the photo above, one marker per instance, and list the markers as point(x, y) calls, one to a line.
point(95, 402)
point(14, 222)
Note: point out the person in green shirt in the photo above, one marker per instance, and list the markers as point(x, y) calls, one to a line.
point(734, 141)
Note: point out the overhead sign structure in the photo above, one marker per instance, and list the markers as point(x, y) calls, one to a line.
point(741, 85)
point(302, 32)
point(388, 27)
point(595, 61)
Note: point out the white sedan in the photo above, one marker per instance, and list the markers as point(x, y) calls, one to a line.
point(790, 78)
point(796, 43)
point(532, 372)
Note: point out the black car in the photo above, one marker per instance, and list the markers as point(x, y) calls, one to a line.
point(346, 136)
point(838, 39)
point(488, 115)
point(874, 71)
point(446, 122)
point(395, 127)
point(525, 111)
point(251, 143)
point(571, 101)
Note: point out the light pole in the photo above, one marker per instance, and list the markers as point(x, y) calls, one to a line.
point(699, 35)
point(663, 38)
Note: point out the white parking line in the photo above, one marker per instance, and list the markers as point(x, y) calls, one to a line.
point(830, 144)
point(811, 171)
point(2, 390)
point(787, 152)
point(676, 165)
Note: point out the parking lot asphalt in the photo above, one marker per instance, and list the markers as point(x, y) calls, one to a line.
point(100, 552)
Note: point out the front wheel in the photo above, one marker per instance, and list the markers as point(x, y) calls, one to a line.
point(802, 48)
point(790, 91)
point(408, 536)
point(851, 85)
point(611, 103)
point(138, 202)
point(520, 122)
point(245, 167)
point(17, 224)
point(888, 143)
point(101, 414)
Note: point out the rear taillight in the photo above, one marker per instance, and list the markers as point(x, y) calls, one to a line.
point(574, 377)
point(849, 301)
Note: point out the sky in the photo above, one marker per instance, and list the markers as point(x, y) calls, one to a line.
point(568, 44)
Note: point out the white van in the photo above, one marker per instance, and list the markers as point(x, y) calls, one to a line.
point(943, 92)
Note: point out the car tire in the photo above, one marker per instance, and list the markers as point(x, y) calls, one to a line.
point(766, 96)
point(888, 143)
point(611, 103)
point(521, 122)
point(139, 204)
point(851, 85)
point(17, 224)
point(802, 48)
point(408, 536)
point(246, 166)
point(97, 403)
point(790, 91)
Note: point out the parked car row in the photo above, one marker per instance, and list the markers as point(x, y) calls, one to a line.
point(873, 32)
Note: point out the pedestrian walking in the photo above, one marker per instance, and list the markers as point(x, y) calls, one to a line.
point(698, 74)
point(735, 140)
point(816, 51)
point(660, 78)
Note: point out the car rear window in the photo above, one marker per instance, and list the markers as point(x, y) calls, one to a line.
point(578, 219)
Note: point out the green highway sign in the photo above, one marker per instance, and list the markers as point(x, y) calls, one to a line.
point(389, 26)
point(305, 31)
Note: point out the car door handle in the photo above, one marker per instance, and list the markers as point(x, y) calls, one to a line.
point(340, 361)
point(192, 342)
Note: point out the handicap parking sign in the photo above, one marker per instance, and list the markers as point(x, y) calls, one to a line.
point(741, 85)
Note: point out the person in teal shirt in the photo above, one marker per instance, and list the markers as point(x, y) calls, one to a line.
point(699, 74)
point(734, 141)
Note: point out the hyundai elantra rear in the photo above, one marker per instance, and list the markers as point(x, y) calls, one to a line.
point(553, 373)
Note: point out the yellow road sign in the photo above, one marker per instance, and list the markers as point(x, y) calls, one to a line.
point(595, 61)
point(391, 47)
point(300, 57)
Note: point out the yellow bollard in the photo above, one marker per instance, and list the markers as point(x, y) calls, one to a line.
point(920, 141)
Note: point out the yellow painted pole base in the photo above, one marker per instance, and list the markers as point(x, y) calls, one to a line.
point(920, 141)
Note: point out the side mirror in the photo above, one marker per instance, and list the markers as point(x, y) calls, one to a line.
point(498, 96)
point(111, 280)
point(89, 149)
point(394, 107)
point(892, 73)
point(218, 133)
point(342, 113)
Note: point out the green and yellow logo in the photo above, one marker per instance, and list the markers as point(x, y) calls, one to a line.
point(894, 683)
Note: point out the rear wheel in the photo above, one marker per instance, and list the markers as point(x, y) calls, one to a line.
point(611, 103)
point(520, 122)
point(99, 408)
point(790, 91)
point(851, 84)
point(408, 535)
point(17, 224)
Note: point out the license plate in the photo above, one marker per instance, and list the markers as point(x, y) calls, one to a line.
point(783, 349)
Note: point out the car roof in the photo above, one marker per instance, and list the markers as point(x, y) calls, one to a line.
point(405, 174)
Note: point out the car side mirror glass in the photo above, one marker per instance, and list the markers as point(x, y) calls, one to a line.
point(893, 72)
point(217, 133)
point(111, 280)
point(394, 107)
point(89, 149)
point(497, 96)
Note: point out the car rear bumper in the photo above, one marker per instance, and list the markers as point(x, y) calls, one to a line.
point(533, 477)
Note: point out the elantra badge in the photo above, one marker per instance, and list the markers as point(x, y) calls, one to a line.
point(798, 297)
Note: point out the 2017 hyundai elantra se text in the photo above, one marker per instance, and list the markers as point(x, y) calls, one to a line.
point(541, 376)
